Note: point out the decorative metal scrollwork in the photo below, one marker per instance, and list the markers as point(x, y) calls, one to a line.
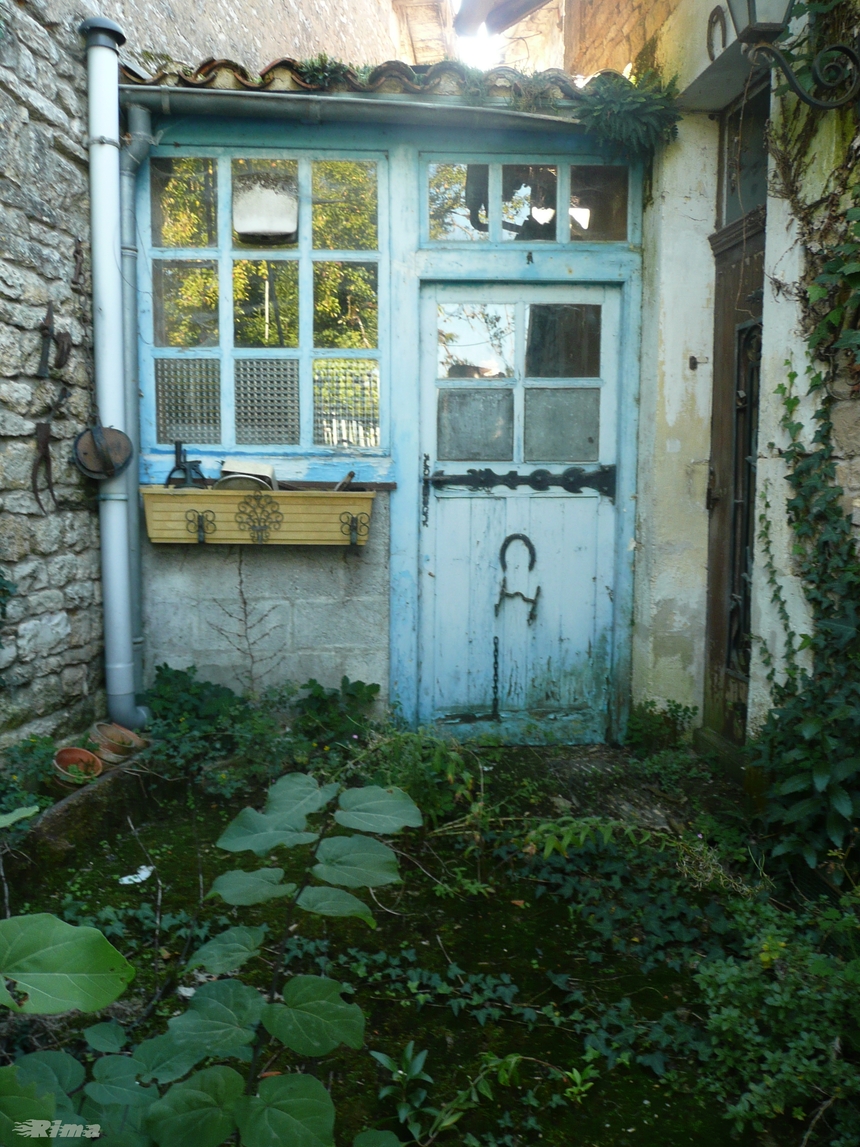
point(833, 67)
point(355, 526)
point(573, 480)
point(201, 523)
point(259, 515)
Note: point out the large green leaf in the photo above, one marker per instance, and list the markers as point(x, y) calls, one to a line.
point(821, 775)
point(256, 832)
point(19, 1102)
point(10, 818)
point(197, 1112)
point(314, 1019)
point(297, 796)
point(290, 1111)
point(115, 1082)
point(229, 950)
point(109, 1036)
point(840, 800)
point(55, 967)
point(238, 887)
point(164, 1059)
point(221, 1018)
point(334, 902)
point(120, 1126)
point(376, 1139)
point(373, 809)
point(51, 1071)
point(356, 862)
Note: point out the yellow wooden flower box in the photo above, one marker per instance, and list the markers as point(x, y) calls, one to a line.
point(281, 518)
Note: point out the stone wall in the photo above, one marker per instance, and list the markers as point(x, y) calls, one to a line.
point(51, 660)
point(251, 616)
point(611, 33)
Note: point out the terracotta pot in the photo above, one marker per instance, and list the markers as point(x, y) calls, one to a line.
point(86, 765)
point(118, 740)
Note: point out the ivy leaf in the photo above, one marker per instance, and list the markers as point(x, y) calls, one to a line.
point(836, 826)
point(376, 1139)
point(229, 950)
point(221, 1018)
point(106, 1037)
point(810, 728)
point(840, 800)
point(19, 1102)
point(356, 862)
point(115, 1082)
point(374, 809)
point(821, 775)
point(290, 1109)
point(55, 967)
point(314, 1019)
point(164, 1059)
point(297, 796)
point(334, 902)
point(816, 292)
point(197, 1112)
point(255, 832)
point(54, 1073)
point(238, 887)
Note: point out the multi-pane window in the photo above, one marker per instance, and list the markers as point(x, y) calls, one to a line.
point(529, 202)
point(518, 382)
point(265, 301)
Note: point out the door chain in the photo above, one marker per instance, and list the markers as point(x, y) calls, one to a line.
point(495, 712)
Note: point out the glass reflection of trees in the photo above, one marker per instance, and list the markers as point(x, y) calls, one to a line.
point(184, 202)
point(345, 305)
point(185, 295)
point(476, 340)
point(458, 200)
point(344, 205)
point(265, 303)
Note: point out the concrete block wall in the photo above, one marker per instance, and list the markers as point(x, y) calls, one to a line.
point(252, 616)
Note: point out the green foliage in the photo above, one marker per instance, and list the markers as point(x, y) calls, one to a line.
point(634, 117)
point(653, 730)
point(48, 966)
point(410, 1099)
point(335, 715)
point(24, 767)
point(7, 588)
point(323, 71)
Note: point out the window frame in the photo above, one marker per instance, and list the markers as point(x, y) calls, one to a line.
point(224, 254)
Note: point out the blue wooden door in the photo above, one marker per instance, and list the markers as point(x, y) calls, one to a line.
point(519, 418)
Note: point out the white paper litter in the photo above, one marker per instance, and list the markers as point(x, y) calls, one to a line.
point(143, 873)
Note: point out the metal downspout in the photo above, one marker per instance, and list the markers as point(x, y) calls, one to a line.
point(103, 40)
point(137, 145)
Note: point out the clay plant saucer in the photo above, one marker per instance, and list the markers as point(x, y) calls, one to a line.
point(77, 766)
point(115, 742)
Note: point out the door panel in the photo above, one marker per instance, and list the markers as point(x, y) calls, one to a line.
point(518, 545)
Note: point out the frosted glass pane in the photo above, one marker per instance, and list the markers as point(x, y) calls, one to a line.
point(562, 424)
point(529, 203)
point(458, 200)
point(598, 203)
point(563, 341)
point(476, 340)
point(476, 425)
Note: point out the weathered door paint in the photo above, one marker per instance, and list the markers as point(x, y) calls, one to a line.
point(517, 558)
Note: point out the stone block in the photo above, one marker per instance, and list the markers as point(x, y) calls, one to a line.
point(15, 540)
point(30, 574)
point(78, 594)
point(846, 427)
point(359, 623)
point(47, 533)
point(41, 636)
point(16, 465)
point(45, 601)
point(16, 395)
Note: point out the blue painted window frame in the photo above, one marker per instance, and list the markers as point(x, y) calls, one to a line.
point(157, 457)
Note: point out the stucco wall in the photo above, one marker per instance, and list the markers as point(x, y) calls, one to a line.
point(675, 419)
point(309, 611)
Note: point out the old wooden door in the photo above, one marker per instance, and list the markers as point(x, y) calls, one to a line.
point(739, 254)
point(519, 417)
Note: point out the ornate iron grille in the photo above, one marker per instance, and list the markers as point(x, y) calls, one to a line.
point(267, 401)
point(346, 402)
point(188, 400)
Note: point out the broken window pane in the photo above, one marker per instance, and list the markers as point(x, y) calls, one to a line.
point(561, 424)
point(345, 305)
point(185, 302)
point(476, 340)
point(563, 340)
point(529, 203)
point(266, 303)
point(458, 200)
point(344, 205)
point(346, 402)
point(184, 202)
point(265, 202)
point(476, 425)
point(598, 203)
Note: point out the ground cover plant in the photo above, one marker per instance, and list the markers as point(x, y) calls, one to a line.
point(574, 946)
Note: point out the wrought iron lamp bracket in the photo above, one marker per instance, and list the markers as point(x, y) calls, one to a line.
point(828, 71)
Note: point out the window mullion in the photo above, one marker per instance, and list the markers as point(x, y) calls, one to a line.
point(225, 301)
point(306, 305)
